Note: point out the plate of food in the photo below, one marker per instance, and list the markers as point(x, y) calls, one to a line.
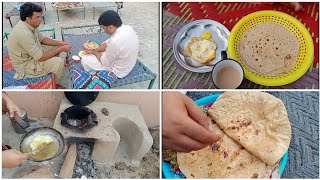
point(273, 48)
point(230, 157)
point(82, 54)
point(198, 45)
point(90, 45)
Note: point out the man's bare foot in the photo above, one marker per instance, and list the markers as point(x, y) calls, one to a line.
point(294, 5)
point(60, 87)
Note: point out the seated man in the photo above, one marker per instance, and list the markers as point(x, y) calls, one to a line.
point(117, 54)
point(32, 54)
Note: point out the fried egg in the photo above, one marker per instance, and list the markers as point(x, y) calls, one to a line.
point(201, 50)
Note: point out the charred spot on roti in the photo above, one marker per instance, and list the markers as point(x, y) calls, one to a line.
point(192, 175)
point(255, 175)
point(215, 147)
point(210, 164)
point(257, 131)
point(228, 167)
point(225, 154)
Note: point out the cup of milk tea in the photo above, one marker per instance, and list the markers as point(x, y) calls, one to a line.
point(227, 73)
point(75, 58)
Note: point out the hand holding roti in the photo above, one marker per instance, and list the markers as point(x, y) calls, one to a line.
point(185, 126)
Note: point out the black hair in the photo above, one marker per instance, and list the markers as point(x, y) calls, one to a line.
point(110, 18)
point(27, 9)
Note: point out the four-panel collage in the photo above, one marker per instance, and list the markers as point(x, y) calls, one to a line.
point(160, 90)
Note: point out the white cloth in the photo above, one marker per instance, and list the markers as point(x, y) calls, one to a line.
point(120, 56)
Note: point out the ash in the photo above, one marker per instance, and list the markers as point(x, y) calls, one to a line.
point(84, 165)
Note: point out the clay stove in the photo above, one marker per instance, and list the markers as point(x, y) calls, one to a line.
point(78, 118)
point(120, 135)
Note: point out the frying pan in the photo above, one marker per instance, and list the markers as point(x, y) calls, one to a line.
point(81, 98)
point(56, 146)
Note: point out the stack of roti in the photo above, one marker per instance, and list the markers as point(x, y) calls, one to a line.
point(257, 133)
point(269, 49)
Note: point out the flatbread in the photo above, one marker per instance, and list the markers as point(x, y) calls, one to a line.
point(227, 159)
point(256, 120)
point(269, 49)
point(90, 45)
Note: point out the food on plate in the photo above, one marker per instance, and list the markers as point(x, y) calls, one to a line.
point(82, 53)
point(269, 49)
point(90, 45)
point(206, 35)
point(224, 159)
point(258, 121)
point(201, 50)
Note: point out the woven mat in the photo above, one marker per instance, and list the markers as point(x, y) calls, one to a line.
point(303, 111)
point(177, 15)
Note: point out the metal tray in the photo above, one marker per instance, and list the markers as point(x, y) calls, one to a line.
point(219, 33)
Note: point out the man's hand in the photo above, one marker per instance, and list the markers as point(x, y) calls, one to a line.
point(10, 107)
point(185, 127)
point(61, 43)
point(294, 5)
point(12, 158)
point(89, 52)
point(94, 52)
point(66, 48)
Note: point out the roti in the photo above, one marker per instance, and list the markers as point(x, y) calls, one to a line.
point(258, 121)
point(90, 45)
point(269, 49)
point(225, 159)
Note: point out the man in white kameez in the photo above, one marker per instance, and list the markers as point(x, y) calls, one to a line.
point(117, 54)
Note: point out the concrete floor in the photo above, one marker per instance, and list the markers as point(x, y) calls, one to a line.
point(143, 17)
point(149, 167)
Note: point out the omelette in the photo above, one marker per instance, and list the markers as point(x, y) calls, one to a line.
point(40, 141)
point(201, 50)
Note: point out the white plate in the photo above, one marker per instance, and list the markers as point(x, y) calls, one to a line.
point(219, 33)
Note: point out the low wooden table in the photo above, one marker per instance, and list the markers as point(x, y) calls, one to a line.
point(16, 12)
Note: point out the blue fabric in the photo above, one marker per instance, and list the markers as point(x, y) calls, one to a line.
point(9, 81)
point(93, 79)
